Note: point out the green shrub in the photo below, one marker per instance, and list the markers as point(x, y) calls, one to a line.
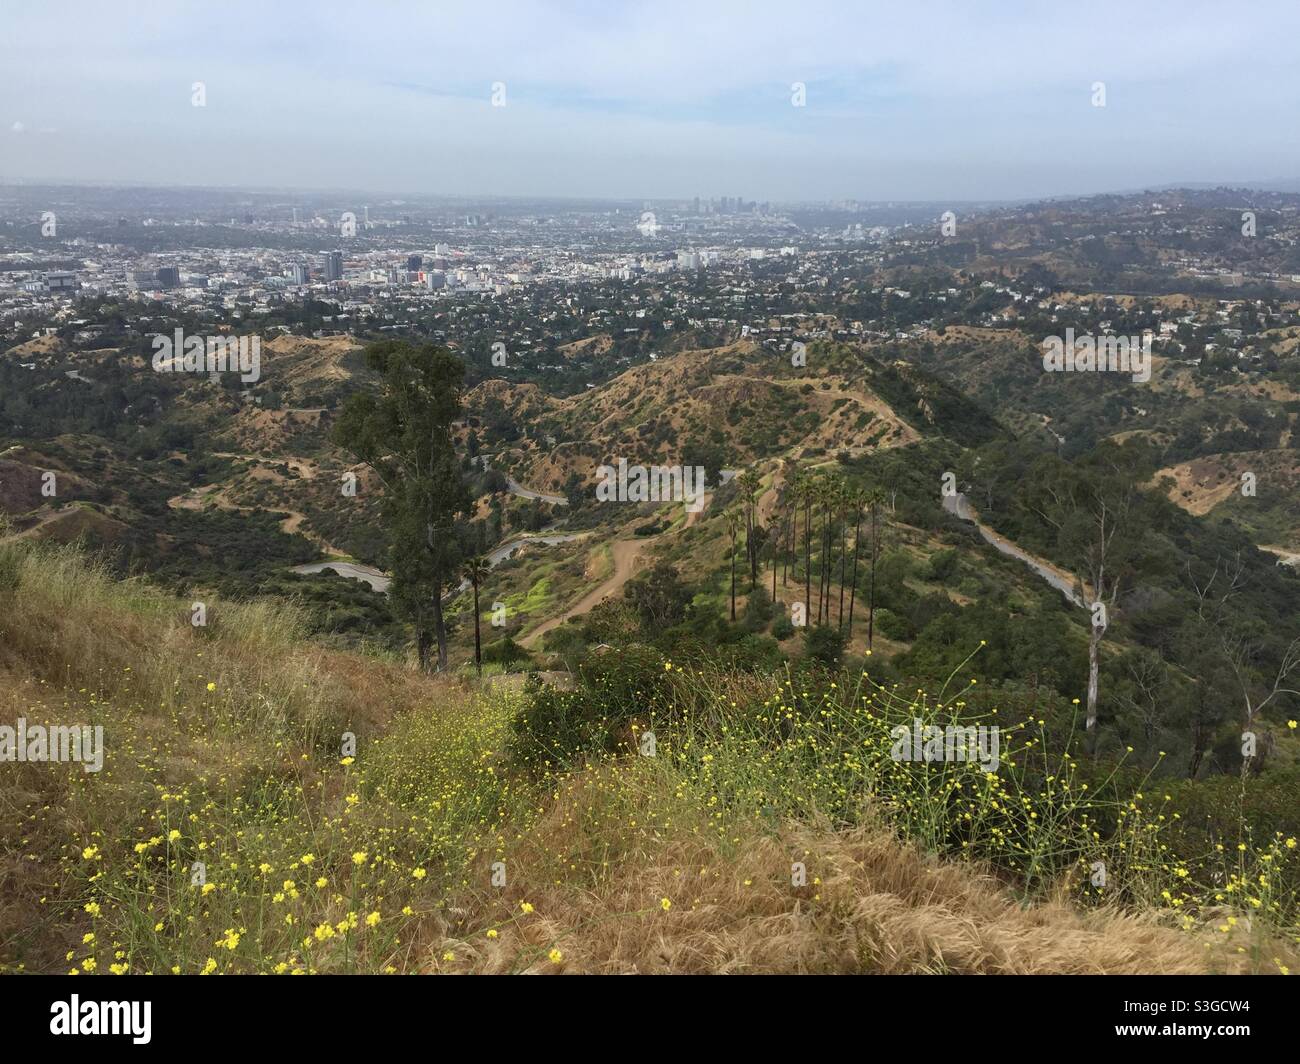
point(824, 644)
point(613, 689)
point(758, 610)
point(892, 626)
point(505, 652)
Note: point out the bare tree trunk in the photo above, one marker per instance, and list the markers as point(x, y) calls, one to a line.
point(785, 554)
point(807, 560)
point(824, 576)
point(439, 626)
point(1094, 660)
point(733, 576)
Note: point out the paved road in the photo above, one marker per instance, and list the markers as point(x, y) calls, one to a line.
point(515, 488)
point(380, 581)
point(960, 507)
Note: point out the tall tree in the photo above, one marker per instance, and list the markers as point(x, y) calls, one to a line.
point(476, 571)
point(1256, 692)
point(806, 497)
point(1095, 514)
point(404, 434)
point(843, 501)
point(733, 526)
point(749, 485)
point(874, 499)
point(826, 498)
point(858, 500)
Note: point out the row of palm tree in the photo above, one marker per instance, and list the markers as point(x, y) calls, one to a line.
point(828, 504)
point(830, 498)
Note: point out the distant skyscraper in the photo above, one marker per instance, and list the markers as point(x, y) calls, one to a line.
point(299, 274)
point(169, 276)
point(332, 265)
point(414, 262)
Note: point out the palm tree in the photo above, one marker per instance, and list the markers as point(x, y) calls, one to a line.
point(843, 499)
point(803, 494)
point(874, 500)
point(858, 498)
point(733, 526)
point(825, 497)
point(749, 485)
point(475, 571)
point(772, 542)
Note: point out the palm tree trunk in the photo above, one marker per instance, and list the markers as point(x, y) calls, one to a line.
point(785, 554)
point(807, 559)
point(824, 577)
point(871, 601)
point(853, 595)
point(439, 626)
point(478, 646)
point(733, 576)
point(844, 554)
point(775, 542)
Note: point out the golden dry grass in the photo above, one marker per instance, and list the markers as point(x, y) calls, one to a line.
point(871, 905)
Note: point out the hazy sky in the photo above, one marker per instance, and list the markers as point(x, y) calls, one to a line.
point(905, 100)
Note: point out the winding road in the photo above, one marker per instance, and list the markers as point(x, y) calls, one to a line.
point(380, 581)
point(959, 506)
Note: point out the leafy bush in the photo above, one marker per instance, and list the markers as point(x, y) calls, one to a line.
point(558, 727)
point(942, 565)
point(892, 626)
point(758, 610)
point(505, 652)
point(824, 644)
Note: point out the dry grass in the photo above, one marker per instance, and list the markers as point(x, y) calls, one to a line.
point(871, 905)
point(69, 623)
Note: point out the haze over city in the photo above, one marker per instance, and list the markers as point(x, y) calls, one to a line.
point(914, 102)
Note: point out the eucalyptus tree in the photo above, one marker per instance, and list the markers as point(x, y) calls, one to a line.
point(404, 433)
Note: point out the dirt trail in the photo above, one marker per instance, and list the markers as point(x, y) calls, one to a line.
point(43, 522)
point(627, 552)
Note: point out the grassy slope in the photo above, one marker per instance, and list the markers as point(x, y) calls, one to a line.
point(224, 748)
